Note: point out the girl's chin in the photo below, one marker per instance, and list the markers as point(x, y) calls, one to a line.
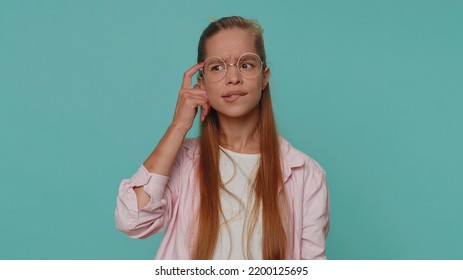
point(236, 113)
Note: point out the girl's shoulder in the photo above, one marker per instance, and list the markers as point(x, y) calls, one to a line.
point(293, 158)
point(191, 143)
point(190, 148)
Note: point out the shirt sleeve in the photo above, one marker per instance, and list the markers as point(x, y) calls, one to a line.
point(316, 214)
point(141, 223)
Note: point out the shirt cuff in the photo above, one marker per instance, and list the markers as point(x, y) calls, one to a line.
point(153, 184)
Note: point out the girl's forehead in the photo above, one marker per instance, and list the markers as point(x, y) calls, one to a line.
point(230, 44)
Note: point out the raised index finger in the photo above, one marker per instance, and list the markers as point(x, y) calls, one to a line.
point(187, 77)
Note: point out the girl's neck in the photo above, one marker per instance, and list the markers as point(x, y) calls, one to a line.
point(240, 135)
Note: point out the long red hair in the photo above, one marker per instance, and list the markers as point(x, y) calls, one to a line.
point(268, 201)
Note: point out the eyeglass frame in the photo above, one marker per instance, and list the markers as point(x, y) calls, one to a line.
point(262, 66)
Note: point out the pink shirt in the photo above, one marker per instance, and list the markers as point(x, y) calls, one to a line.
point(175, 198)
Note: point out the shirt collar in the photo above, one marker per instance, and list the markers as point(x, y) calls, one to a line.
point(290, 157)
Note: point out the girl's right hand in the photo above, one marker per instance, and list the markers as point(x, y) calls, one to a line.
point(189, 99)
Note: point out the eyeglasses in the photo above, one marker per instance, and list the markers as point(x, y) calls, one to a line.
point(249, 65)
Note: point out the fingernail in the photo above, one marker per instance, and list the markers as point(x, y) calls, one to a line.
point(201, 63)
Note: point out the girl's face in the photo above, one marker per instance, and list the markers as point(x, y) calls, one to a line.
point(233, 96)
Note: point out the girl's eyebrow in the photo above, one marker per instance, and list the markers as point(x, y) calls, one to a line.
point(229, 58)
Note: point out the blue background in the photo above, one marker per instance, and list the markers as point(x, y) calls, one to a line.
point(371, 89)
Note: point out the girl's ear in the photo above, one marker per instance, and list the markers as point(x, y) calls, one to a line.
point(200, 82)
point(265, 78)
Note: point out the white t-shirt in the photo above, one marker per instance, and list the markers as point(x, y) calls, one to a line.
point(238, 173)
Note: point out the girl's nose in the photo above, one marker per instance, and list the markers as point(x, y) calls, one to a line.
point(233, 76)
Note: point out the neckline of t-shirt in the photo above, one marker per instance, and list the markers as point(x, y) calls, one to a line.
point(233, 153)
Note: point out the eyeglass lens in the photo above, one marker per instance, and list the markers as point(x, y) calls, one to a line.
point(248, 65)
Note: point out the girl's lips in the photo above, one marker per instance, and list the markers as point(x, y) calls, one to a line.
point(232, 96)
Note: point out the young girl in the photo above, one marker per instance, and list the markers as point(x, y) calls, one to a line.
point(239, 191)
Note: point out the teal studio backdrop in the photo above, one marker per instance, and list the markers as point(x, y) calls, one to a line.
point(371, 89)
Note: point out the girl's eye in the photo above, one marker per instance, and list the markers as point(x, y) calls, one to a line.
point(246, 66)
point(217, 67)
